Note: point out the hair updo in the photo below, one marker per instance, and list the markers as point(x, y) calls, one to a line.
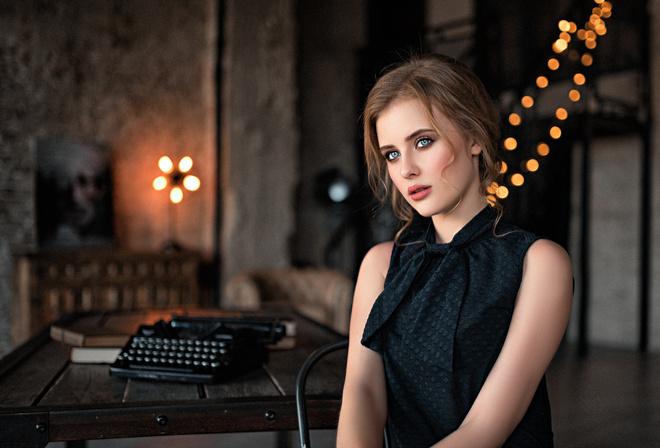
point(450, 86)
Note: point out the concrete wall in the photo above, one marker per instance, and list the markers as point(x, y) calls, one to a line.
point(654, 11)
point(259, 135)
point(137, 76)
point(615, 229)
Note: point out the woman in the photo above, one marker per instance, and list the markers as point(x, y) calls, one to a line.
point(452, 329)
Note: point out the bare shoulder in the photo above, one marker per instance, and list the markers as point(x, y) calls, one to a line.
point(377, 260)
point(548, 272)
point(371, 279)
point(546, 254)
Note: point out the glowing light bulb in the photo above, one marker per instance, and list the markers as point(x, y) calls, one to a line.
point(574, 95)
point(559, 46)
point(503, 167)
point(579, 79)
point(561, 113)
point(515, 119)
point(532, 165)
point(502, 192)
point(527, 101)
point(176, 195)
point(587, 59)
point(510, 143)
point(564, 25)
point(165, 164)
point(543, 149)
point(542, 82)
point(191, 183)
point(555, 132)
point(517, 179)
point(185, 164)
point(553, 64)
point(160, 183)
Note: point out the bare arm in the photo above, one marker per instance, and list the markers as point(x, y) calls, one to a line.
point(364, 404)
point(539, 320)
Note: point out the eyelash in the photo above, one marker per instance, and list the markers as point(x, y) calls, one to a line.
point(388, 155)
point(428, 140)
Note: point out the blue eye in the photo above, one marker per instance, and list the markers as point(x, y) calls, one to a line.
point(391, 155)
point(423, 141)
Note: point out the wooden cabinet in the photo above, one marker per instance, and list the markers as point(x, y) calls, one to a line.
point(48, 284)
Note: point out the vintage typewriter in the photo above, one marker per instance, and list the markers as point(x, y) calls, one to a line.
point(199, 349)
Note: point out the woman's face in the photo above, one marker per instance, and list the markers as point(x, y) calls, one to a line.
point(428, 173)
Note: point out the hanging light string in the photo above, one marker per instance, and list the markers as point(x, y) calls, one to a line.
point(569, 36)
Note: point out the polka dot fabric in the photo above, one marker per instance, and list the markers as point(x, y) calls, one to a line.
point(439, 325)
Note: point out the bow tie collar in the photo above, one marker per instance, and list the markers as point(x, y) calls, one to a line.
point(424, 291)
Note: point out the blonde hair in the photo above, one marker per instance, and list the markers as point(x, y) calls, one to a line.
point(450, 86)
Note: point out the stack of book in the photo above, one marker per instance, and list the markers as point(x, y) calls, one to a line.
point(90, 344)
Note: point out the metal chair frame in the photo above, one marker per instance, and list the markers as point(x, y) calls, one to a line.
point(301, 406)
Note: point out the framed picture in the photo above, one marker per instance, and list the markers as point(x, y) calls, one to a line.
point(74, 194)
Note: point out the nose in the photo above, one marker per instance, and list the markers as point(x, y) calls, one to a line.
point(408, 167)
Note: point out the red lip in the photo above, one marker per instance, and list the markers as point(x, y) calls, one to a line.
point(418, 192)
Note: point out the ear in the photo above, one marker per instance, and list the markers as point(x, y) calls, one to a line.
point(475, 147)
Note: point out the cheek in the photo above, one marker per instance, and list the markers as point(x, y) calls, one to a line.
point(394, 175)
point(442, 162)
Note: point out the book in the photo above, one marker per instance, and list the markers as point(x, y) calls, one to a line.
point(94, 355)
point(89, 336)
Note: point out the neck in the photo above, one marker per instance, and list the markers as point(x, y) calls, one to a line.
point(448, 224)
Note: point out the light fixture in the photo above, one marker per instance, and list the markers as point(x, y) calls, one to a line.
point(176, 178)
point(332, 187)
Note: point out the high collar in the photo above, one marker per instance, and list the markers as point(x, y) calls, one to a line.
point(479, 224)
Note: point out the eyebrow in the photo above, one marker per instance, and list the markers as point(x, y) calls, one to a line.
point(408, 138)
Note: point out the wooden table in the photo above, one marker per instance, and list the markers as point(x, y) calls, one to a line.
point(45, 398)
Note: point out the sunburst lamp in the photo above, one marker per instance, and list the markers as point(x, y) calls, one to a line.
point(178, 178)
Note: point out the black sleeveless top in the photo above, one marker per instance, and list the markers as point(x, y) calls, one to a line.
point(440, 324)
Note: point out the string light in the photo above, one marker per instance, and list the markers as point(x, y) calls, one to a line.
point(502, 192)
point(517, 179)
point(555, 132)
point(542, 82)
point(570, 35)
point(532, 165)
point(561, 113)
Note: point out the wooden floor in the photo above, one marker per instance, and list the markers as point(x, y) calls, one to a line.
point(608, 398)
